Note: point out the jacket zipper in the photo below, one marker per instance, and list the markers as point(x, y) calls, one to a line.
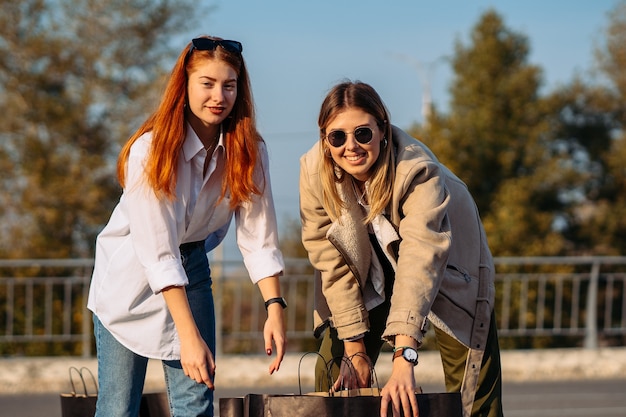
point(466, 276)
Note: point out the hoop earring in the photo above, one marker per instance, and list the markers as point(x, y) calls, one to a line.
point(384, 142)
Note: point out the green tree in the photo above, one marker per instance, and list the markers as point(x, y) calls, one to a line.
point(584, 118)
point(497, 139)
point(76, 78)
point(547, 171)
point(601, 218)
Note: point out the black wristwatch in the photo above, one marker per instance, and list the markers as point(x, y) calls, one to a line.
point(279, 300)
point(408, 353)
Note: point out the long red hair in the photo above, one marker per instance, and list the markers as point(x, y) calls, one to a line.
point(169, 129)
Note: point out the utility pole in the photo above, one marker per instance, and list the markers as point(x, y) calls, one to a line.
point(425, 70)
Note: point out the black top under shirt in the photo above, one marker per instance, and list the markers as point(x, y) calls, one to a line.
point(388, 271)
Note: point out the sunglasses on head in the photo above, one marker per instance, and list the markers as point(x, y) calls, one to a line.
point(363, 135)
point(206, 44)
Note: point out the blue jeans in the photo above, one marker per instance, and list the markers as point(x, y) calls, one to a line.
point(121, 372)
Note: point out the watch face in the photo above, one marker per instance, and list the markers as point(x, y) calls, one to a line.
point(410, 355)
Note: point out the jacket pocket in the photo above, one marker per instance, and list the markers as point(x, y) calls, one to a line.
point(461, 288)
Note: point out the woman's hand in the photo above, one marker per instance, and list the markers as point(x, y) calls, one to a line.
point(355, 372)
point(400, 391)
point(197, 360)
point(356, 367)
point(274, 330)
point(400, 388)
point(195, 356)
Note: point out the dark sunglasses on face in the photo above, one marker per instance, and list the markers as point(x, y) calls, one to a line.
point(337, 138)
point(206, 44)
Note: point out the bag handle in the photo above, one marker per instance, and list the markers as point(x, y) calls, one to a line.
point(299, 368)
point(330, 364)
point(352, 370)
point(79, 372)
point(373, 376)
point(374, 385)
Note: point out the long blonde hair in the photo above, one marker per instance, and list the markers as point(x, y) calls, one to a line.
point(362, 96)
point(169, 129)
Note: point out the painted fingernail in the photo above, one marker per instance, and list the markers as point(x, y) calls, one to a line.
point(269, 352)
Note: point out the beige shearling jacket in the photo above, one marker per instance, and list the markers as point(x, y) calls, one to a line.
point(434, 237)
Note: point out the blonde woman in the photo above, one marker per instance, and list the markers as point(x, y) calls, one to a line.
point(397, 242)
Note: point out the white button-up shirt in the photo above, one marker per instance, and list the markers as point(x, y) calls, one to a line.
point(137, 253)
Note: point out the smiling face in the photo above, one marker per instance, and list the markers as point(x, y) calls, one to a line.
point(356, 159)
point(211, 92)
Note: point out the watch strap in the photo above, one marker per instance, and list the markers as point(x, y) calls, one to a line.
point(399, 352)
point(278, 300)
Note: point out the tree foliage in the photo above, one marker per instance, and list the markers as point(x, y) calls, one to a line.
point(76, 77)
point(494, 139)
point(588, 116)
point(601, 225)
point(541, 168)
point(548, 171)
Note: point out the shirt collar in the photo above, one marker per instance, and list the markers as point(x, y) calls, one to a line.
point(193, 144)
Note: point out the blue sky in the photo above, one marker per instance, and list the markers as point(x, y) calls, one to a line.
point(297, 50)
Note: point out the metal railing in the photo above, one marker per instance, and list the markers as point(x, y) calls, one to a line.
point(44, 300)
point(561, 296)
point(581, 297)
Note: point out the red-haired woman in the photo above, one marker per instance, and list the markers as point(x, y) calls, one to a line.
point(196, 161)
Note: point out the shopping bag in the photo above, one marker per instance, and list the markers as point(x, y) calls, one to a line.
point(345, 403)
point(79, 403)
point(446, 404)
point(154, 404)
point(82, 403)
point(231, 407)
point(260, 405)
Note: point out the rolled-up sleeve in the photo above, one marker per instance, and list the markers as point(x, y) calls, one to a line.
point(257, 229)
point(339, 290)
point(153, 226)
point(424, 249)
